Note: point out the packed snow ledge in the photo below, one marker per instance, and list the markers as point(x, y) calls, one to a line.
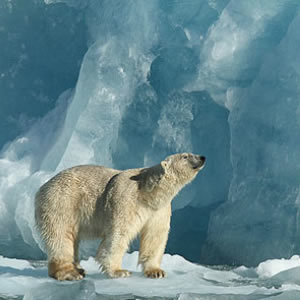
point(273, 279)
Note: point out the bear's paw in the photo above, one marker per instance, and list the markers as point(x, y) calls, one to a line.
point(66, 271)
point(119, 273)
point(155, 273)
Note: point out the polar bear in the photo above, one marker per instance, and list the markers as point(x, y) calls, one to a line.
point(90, 202)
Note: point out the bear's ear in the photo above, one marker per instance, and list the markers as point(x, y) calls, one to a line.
point(165, 164)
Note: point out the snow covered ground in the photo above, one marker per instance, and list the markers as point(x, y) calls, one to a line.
point(273, 279)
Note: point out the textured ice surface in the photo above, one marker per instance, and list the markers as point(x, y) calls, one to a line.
point(185, 281)
point(272, 267)
point(238, 42)
point(35, 66)
point(262, 212)
point(126, 83)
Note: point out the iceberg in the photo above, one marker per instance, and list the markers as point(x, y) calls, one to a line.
point(263, 200)
point(126, 83)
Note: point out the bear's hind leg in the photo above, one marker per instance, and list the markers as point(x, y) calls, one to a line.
point(61, 261)
point(110, 255)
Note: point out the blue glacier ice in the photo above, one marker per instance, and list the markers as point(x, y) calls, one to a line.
point(126, 83)
point(262, 210)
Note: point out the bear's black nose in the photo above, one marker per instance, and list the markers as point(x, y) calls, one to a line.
point(202, 158)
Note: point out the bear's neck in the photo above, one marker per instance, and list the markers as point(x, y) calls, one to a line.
point(162, 194)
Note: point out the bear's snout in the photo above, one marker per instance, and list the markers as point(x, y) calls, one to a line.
point(198, 161)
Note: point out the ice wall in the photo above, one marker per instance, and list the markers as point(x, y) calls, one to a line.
point(263, 206)
point(36, 72)
point(139, 80)
point(35, 64)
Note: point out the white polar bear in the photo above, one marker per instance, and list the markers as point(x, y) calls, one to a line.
point(88, 202)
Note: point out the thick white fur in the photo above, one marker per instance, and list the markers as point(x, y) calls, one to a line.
point(87, 202)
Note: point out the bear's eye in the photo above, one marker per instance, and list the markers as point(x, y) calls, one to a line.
point(185, 156)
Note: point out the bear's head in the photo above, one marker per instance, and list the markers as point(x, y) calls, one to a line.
point(183, 167)
point(176, 170)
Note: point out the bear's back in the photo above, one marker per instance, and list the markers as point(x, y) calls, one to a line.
point(89, 179)
point(73, 191)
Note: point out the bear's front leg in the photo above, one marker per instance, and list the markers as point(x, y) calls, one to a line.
point(153, 240)
point(110, 255)
point(76, 258)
